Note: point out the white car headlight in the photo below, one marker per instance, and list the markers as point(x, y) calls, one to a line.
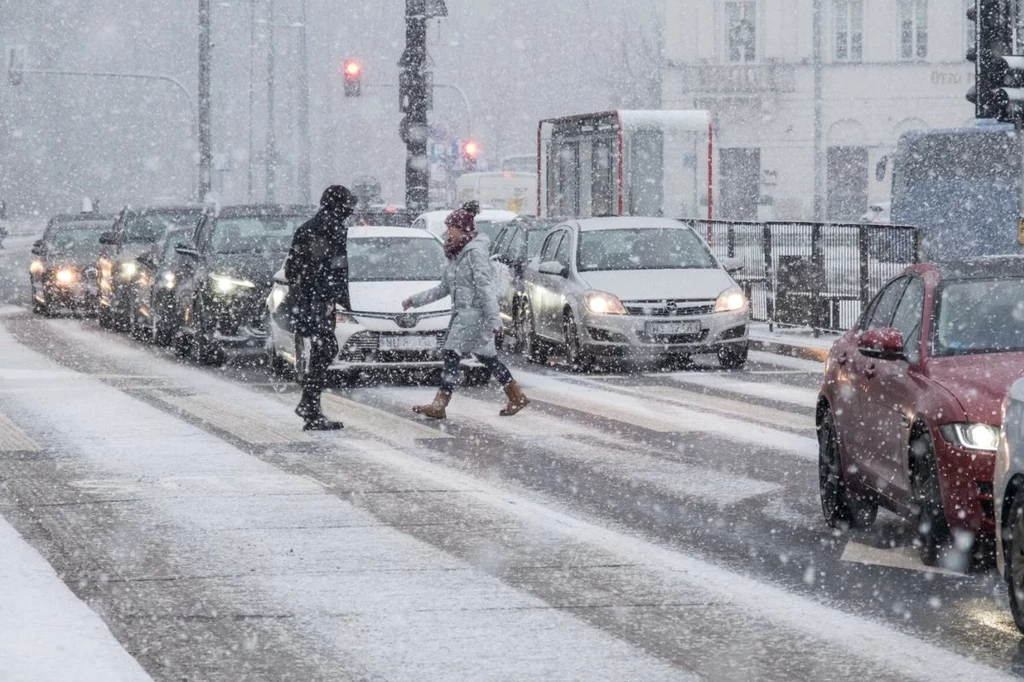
point(66, 276)
point(223, 284)
point(127, 270)
point(37, 267)
point(601, 303)
point(169, 280)
point(972, 436)
point(730, 300)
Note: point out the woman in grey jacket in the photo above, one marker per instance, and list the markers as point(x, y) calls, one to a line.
point(469, 280)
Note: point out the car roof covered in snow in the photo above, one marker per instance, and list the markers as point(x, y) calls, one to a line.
point(986, 267)
point(371, 231)
point(628, 223)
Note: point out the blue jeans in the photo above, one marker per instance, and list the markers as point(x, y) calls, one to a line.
point(453, 369)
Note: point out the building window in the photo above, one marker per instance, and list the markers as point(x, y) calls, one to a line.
point(742, 33)
point(913, 17)
point(849, 30)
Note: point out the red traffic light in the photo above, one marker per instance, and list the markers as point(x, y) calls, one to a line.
point(352, 68)
point(470, 149)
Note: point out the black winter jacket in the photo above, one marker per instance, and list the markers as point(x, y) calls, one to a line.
point(317, 271)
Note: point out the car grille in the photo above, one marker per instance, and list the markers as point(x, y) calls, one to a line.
point(670, 339)
point(670, 308)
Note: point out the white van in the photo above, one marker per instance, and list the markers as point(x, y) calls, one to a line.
point(503, 190)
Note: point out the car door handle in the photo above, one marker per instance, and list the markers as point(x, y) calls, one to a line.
point(870, 372)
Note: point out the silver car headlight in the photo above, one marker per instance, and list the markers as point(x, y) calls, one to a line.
point(730, 300)
point(972, 436)
point(127, 270)
point(601, 303)
point(223, 284)
point(169, 280)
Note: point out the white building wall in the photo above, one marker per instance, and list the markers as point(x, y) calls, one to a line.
point(865, 104)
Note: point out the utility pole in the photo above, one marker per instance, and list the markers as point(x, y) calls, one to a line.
point(305, 146)
point(252, 93)
point(205, 148)
point(414, 95)
point(819, 141)
point(270, 150)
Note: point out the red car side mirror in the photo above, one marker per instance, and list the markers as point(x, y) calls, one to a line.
point(883, 344)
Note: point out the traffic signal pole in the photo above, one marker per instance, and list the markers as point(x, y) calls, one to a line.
point(413, 86)
point(205, 147)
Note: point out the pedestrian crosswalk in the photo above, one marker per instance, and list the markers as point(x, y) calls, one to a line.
point(13, 439)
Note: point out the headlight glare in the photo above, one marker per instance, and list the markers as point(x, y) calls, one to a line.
point(169, 280)
point(37, 267)
point(601, 303)
point(223, 284)
point(730, 300)
point(66, 276)
point(127, 270)
point(972, 436)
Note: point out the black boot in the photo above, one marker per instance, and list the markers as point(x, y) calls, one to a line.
point(310, 411)
point(322, 423)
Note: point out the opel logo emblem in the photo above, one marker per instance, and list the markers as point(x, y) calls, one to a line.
point(406, 320)
point(671, 307)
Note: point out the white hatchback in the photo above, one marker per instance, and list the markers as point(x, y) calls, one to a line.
point(386, 266)
point(489, 221)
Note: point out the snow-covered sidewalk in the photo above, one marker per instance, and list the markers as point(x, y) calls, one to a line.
point(798, 343)
point(48, 634)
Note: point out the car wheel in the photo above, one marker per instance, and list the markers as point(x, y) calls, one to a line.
point(138, 326)
point(533, 348)
point(838, 506)
point(517, 339)
point(103, 317)
point(161, 332)
point(205, 350)
point(933, 535)
point(1013, 546)
point(733, 356)
point(575, 355)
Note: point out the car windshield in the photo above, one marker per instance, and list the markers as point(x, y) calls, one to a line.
point(173, 239)
point(980, 316)
point(264, 234)
point(152, 226)
point(534, 240)
point(81, 239)
point(489, 227)
point(642, 249)
point(398, 259)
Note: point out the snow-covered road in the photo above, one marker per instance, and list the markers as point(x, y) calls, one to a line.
point(651, 527)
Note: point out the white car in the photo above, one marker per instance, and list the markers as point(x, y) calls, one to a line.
point(631, 288)
point(489, 221)
point(1008, 484)
point(386, 266)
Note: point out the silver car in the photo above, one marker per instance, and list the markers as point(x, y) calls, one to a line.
point(1008, 483)
point(632, 288)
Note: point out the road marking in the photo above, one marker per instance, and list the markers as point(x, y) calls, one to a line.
point(246, 427)
point(644, 418)
point(783, 393)
point(13, 439)
point(736, 408)
point(897, 557)
point(378, 423)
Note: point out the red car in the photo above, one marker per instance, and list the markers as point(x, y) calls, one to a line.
point(909, 411)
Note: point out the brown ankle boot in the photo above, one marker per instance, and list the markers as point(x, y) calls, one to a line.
point(517, 400)
point(435, 410)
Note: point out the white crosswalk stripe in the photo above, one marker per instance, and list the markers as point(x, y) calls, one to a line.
point(244, 426)
point(13, 439)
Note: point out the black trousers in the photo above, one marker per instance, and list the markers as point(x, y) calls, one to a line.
point(323, 349)
point(453, 370)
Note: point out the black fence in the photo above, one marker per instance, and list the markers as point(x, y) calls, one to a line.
point(817, 275)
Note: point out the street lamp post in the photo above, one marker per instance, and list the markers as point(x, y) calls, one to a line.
point(205, 148)
point(270, 151)
point(305, 146)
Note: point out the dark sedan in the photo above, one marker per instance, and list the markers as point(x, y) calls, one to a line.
point(226, 275)
point(909, 411)
point(155, 314)
point(63, 268)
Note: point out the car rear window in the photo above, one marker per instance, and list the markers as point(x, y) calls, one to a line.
point(979, 316)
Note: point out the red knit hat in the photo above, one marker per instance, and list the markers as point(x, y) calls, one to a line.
point(462, 219)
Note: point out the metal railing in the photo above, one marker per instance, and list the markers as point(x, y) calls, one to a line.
point(817, 275)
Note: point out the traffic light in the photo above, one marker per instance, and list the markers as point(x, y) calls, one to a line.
point(470, 154)
point(352, 70)
point(993, 42)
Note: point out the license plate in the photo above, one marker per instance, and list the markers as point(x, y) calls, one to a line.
point(408, 343)
point(684, 327)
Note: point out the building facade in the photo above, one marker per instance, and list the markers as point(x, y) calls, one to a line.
point(886, 66)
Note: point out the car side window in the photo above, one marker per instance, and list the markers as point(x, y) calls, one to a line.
point(517, 247)
point(885, 305)
point(562, 255)
point(908, 319)
point(498, 246)
point(547, 253)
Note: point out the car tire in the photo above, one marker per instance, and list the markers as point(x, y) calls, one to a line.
point(204, 350)
point(533, 347)
point(840, 509)
point(161, 333)
point(103, 317)
point(577, 358)
point(1013, 553)
point(934, 538)
point(517, 339)
point(733, 356)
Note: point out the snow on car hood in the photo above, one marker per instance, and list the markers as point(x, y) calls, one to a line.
point(387, 297)
point(650, 285)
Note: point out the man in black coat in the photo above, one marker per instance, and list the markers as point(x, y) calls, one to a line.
point(317, 274)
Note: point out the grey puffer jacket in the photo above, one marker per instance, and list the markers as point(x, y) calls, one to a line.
point(469, 280)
